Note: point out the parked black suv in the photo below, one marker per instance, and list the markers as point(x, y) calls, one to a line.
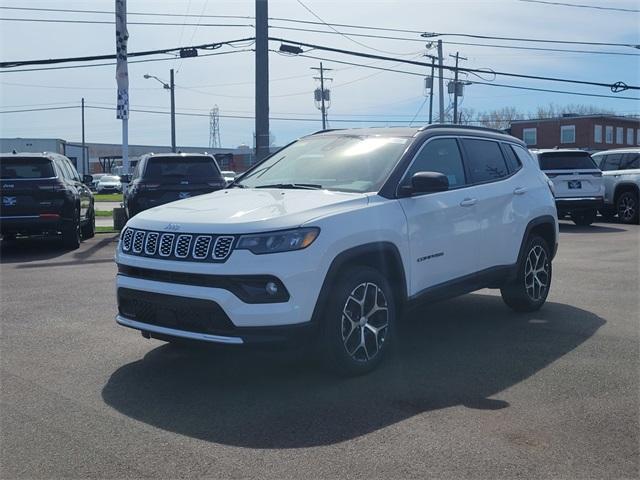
point(43, 193)
point(163, 178)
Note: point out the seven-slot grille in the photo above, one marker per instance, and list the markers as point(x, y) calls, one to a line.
point(171, 246)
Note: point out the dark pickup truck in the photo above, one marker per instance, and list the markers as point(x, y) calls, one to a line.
point(42, 193)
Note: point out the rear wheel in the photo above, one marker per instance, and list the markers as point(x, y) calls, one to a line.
point(359, 321)
point(584, 217)
point(529, 290)
point(89, 228)
point(71, 235)
point(627, 207)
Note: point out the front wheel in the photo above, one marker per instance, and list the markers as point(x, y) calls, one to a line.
point(584, 218)
point(529, 290)
point(627, 207)
point(358, 326)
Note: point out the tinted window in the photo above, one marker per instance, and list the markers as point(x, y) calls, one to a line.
point(599, 160)
point(630, 160)
point(351, 163)
point(14, 168)
point(485, 160)
point(442, 156)
point(565, 160)
point(513, 162)
point(179, 167)
point(611, 162)
point(73, 174)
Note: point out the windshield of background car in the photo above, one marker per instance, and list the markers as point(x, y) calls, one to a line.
point(349, 163)
point(166, 168)
point(565, 161)
point(108, 179)
point(25, 168)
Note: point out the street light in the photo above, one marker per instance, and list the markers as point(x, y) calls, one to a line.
point(171, 86)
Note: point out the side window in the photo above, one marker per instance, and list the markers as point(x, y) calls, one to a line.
point(485, 160)
point(513, 162)
point(612, 162)
point(523, 155)
point(440, 155)
point(630, 161)
point(72, 171)
point(64, 170)
point(136, 171)
point(599, 159)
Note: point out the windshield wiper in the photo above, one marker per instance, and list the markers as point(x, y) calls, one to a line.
point(301, 186)
point(236, 185)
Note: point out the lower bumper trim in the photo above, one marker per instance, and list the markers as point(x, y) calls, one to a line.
point(205, 337)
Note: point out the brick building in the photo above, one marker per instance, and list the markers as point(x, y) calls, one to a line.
point(588, 132)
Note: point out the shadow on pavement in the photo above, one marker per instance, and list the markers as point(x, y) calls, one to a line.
point(595, 228)
point(38, 251)
point(458, 352)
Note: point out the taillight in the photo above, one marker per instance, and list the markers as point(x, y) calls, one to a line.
point(597, 174)
point(56, 187)
point(552, 187)
point(49, 216)
point(148, 186)
point(215, 184)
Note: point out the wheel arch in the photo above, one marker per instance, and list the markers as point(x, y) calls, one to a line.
point(383, 256)
point(625, 187)
point(545, 226)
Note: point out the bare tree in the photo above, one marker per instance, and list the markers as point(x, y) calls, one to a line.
point(552, 110)
point(500, 118)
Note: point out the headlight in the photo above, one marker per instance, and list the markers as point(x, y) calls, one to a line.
point(276, 242)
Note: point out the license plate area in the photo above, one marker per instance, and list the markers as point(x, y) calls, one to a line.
point(574, 184)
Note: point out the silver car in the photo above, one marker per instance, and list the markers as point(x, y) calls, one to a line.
point(621, 174)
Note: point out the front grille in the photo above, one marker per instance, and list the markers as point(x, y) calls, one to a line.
point(183, 246)
point(170, 311)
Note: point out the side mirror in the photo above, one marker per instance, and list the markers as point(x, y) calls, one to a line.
point(425, 182)
point(87, 179)
point(125, 178)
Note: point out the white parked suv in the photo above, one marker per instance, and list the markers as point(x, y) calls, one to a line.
point(621, 173)
point(330, 238)
point(577, 181)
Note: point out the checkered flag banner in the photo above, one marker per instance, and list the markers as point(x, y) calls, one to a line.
point(122, 70)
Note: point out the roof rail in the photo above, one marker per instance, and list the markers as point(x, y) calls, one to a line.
point(325, 130)
point(465, 127)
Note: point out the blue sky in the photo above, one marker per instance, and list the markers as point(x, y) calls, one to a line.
point(227, 80)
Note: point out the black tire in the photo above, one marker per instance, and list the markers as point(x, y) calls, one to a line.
point(526, 292)
point(584, 218)
point(71, 235)
point(627, 207)
point(89, 228)
point(342, 343)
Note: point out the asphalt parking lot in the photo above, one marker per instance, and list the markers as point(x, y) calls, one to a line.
point(473, 390)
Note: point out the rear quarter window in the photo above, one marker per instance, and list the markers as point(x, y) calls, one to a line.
point(25, 168)
point(566, 161)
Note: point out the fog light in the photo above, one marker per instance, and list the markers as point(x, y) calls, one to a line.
point(271, 288)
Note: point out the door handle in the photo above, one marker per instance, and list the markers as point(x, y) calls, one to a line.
point(468, 202)
point(519, 191)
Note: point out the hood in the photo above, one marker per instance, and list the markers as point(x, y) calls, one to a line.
point(247, 210)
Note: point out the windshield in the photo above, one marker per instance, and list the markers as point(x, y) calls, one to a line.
point(565, 161)
point(24, 168)
point(192, 167)
point(109, 178)
point(349, 163)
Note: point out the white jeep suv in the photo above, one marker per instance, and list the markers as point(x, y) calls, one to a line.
point(328, 240)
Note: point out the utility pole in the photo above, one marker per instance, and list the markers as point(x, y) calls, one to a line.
point(441, 82)
point(321, 96)
point(262, 80)
point(433, 66)
point(85, 165)
point(456, 86)
point(172, 87)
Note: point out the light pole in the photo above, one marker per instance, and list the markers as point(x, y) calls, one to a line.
point(171, 86)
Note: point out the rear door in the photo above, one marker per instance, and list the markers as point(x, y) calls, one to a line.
point(28, 187)
point(574, 174)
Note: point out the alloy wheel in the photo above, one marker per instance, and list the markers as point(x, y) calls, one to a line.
point(365, 322)
point(536, 273)
point(627, 208)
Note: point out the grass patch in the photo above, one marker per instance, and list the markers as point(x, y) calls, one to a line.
point(106, 230)
point(108, 197)
point(104, 213)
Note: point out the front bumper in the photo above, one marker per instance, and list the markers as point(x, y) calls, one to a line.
point(571, 204)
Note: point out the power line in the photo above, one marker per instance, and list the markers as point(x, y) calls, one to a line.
point(308, 22)
point(206, 46)
point(580, 5)
point(517, 39)
point(40, 109)
point(113, 63)
point(615, 87)
point(108, 22)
